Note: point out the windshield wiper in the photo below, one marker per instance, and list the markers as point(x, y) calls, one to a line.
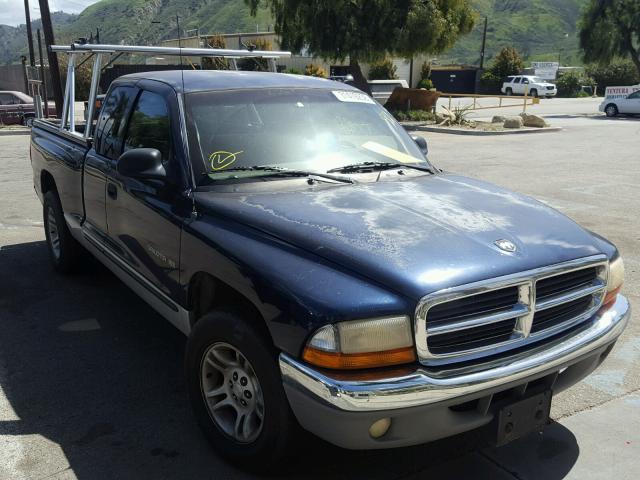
point(283, 172)
point(377, 166)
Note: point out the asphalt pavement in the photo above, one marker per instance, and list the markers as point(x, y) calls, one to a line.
point(91, 383)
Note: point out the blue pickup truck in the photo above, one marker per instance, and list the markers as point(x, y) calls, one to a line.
point(326, 274)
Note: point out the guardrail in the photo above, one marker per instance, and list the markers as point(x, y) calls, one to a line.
point(523, 101)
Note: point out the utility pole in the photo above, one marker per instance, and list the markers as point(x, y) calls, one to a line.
point(43, 77)
point(27, 15)
point(45, 15)
point(484, 42)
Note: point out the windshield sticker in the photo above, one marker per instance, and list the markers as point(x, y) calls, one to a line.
point(389, 152)
point(352, 97)
point(222, 159)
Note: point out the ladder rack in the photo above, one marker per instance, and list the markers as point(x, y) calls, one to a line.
point(67, 119)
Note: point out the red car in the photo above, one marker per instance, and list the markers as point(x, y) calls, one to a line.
point(17, 107)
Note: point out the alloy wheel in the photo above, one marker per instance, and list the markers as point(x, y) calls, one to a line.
point(232, 392)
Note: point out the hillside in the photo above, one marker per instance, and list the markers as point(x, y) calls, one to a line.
point(537, 28)
point(13, 40)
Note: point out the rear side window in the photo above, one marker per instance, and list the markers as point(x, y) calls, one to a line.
point(112, 120)
point(149, 125)
point(517, 80)
point(8, 99)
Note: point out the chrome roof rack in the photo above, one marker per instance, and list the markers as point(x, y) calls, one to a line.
point(67, 119)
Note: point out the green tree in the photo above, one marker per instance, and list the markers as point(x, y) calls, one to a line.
point(507, 62)
point(366, 30)
point(616, 73)
point(611, 28)
point(383, 70)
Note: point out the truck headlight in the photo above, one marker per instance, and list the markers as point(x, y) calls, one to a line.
point(616, 278)
point(375, 342)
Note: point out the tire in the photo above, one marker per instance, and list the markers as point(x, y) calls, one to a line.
point(611, 110)
point(534, 93)
point(27, 121)
point(64, 250)
point(509, 91)
point(218, 336)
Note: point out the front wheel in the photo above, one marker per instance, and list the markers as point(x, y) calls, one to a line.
point(534, 93)
point(611, 110)
point(236, 391)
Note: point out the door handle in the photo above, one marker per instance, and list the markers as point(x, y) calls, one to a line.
point(112, 191)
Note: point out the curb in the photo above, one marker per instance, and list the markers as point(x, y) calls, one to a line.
point(17, 131)
point(459, 131)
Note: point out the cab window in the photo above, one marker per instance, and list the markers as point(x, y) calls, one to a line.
point(634, 95)
point(149, 125)
point(111, 122)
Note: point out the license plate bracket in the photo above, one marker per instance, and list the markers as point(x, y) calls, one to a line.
point(524, 416)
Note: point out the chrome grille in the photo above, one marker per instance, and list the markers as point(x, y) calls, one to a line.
point(493, 316)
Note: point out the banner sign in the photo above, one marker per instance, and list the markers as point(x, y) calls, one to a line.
point(614, 93)
point(546, 70)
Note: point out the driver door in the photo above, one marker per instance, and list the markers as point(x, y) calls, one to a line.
point(145, 216)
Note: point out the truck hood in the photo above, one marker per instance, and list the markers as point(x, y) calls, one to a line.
point(414, 236)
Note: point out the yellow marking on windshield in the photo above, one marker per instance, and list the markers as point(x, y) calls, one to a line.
point(222, 159)
point(389, 152)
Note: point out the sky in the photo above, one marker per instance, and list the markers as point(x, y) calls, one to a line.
point(12, 11)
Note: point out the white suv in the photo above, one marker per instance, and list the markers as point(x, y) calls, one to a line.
point(535, 86)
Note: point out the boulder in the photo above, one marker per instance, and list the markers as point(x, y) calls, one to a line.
point(513, 122)
point(412, 98)
point(533, 121)
point(498, 119)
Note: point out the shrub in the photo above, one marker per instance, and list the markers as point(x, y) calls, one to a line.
point(293, 71)
point(256, 64)
point(425, 71)
point(568, 84)
point(216, 63)
point(313, 70)
point(490, 82)
point(426, 83)
point(383, 70)
point(582, 94)
point(617, 73)
point(414, 115)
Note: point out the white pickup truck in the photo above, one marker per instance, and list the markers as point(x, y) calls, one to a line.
point(529, 84)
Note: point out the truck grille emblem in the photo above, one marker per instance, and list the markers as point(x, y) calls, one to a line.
point(505, 245)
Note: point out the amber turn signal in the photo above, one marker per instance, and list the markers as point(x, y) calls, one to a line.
point(351, 361)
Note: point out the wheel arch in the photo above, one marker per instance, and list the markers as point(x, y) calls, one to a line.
point(207, 292)
point(47, 182)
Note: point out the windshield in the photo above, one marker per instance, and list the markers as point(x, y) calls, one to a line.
point(538, 80)
point(298, 129)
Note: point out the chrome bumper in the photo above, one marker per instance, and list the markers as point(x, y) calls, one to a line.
point(423, 386)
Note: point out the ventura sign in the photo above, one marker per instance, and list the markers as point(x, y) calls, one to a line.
point(614, 93)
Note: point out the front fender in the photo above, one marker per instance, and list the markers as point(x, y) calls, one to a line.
point(295, 291)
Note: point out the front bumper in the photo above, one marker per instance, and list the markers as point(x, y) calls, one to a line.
point(427, 404)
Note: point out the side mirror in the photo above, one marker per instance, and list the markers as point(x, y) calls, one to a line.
point(422, 144)
point(142, 163)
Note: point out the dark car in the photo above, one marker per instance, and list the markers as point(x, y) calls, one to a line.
point(18, 108)
point(326, 273)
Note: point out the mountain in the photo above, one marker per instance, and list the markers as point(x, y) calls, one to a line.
point(539, 29)
point(13, 40)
